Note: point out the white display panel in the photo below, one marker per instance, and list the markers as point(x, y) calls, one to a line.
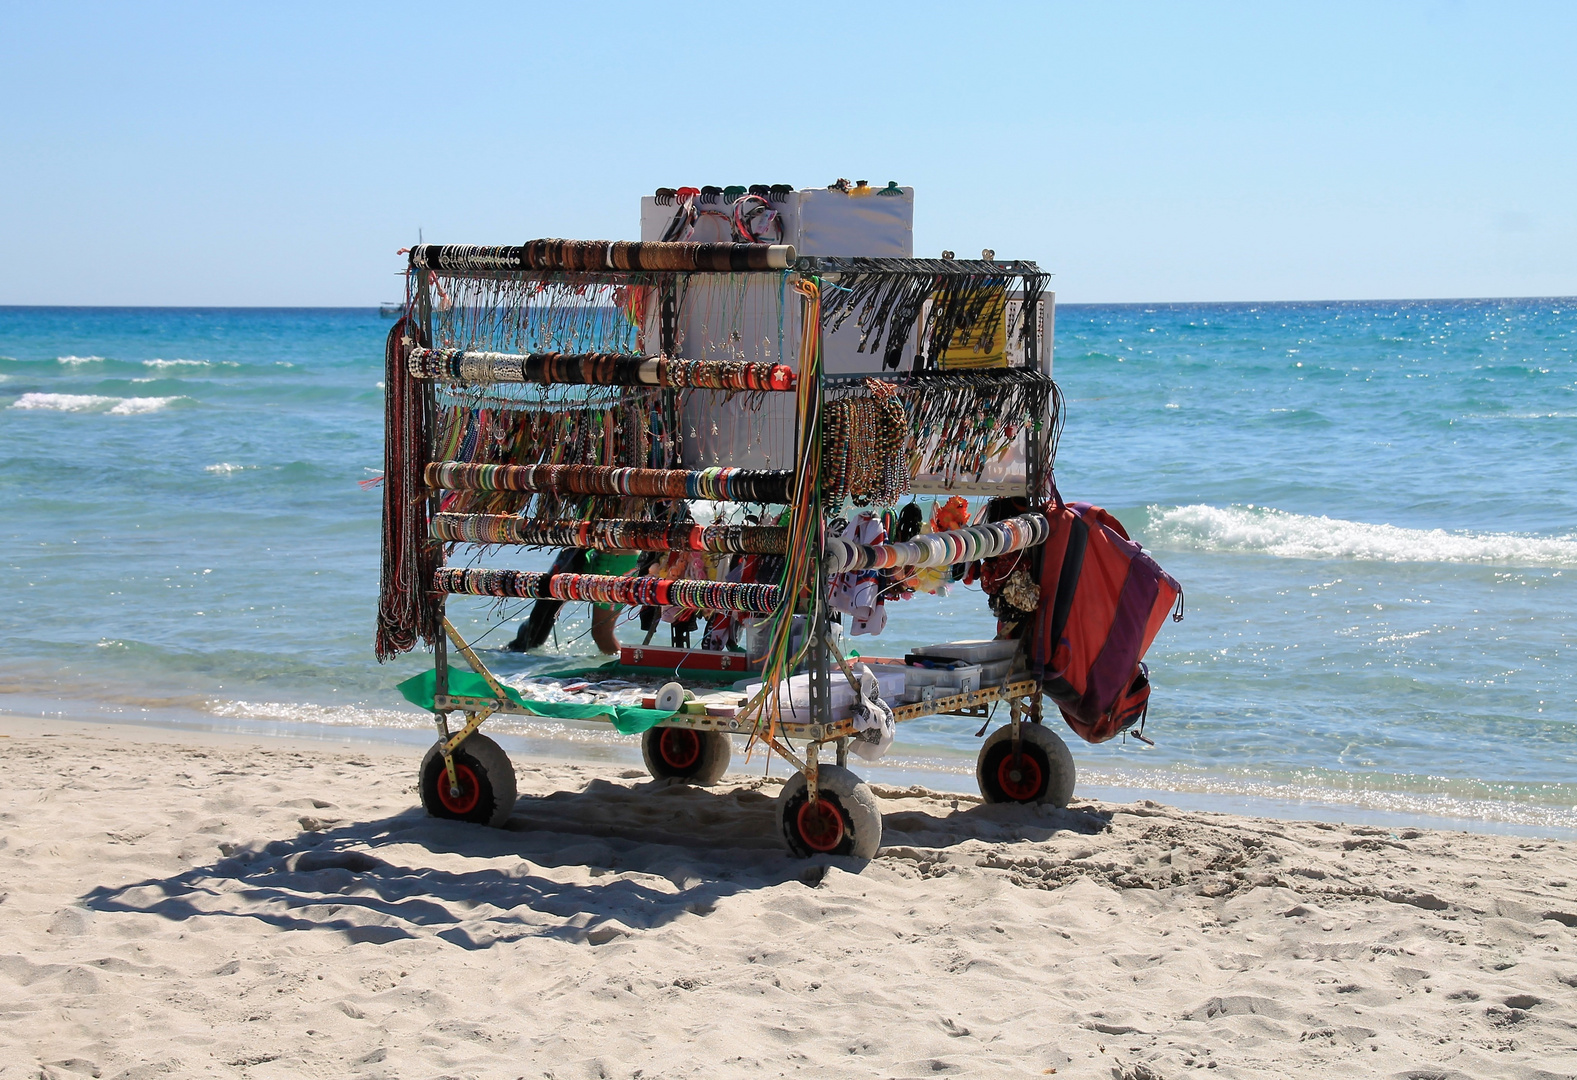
point(819, 222)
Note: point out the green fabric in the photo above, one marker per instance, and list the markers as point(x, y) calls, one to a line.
point(613, 563)
point(627, 719)
point(615, 670)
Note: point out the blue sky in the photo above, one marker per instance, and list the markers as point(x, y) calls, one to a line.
point(279, 154)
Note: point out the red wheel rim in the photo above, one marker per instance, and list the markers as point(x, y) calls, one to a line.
point(820, 825)
point(1021, 779)
point(679, 748)
point(470, 790)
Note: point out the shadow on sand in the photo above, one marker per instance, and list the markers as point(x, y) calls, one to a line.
point(591, 865)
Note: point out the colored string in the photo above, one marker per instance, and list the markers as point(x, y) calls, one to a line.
point(406, 611)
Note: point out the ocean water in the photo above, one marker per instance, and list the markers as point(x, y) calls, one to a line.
point(1372, 508)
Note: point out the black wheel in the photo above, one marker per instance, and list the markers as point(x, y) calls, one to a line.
point(681, 753)
point(844, 819)
point(1042, 772)
point(486, 792)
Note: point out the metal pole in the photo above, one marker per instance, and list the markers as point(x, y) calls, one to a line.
point(424, 315)
point(816, 620)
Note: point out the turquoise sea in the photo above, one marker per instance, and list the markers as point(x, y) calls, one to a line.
point(1371, 505)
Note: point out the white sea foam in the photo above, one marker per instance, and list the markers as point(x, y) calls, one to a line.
point(94, 403)
point(358, 716)
point(134, 405)
point(64, 402)
point(1267, 531)
point(75, 360)
point(334, 715)
point(157, 363)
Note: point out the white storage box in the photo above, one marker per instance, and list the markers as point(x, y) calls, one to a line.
point(999, 671)
point(923, 684)
point(972, 652)
point(890, 685)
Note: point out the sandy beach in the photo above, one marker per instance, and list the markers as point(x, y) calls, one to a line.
point(190, 904)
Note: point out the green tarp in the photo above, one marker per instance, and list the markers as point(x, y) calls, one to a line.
point(628, 719)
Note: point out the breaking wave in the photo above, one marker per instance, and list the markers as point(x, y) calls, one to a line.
point(1263, 530)
point(93, 403)
point(157, 363)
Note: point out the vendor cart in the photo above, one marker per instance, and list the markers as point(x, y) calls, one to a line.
point(744, 419)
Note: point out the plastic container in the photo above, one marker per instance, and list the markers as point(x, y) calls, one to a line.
point(891, 680)
point(758, 634)
point(998, 672)
point(923, 684)
point(973, 652)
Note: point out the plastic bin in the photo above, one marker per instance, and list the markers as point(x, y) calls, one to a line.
point(973, 652)
point(923, 684)
point(890, 685)
point(998, 672)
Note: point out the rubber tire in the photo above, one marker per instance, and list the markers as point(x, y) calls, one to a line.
point(717, 750)
point(862, 836)
point(1049, 752)
point(495, 776)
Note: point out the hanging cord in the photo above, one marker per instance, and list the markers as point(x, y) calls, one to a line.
point(765, 710)
point(406, 607)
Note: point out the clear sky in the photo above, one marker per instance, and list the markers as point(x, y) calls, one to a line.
point(278, 154)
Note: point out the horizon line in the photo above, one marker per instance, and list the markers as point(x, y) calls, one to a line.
point(1068, 303)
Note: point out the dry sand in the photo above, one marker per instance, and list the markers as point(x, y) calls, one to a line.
point(194, 905)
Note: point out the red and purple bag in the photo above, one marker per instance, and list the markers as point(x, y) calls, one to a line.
point(1102, 601)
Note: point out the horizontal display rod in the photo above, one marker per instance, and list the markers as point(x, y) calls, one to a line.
point(610, 534)
point(977, 378)
point(684, 593)
point(600, 256)
point(1006, 268)
point(734, 485)
point(597, 369)
point(940, 548)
